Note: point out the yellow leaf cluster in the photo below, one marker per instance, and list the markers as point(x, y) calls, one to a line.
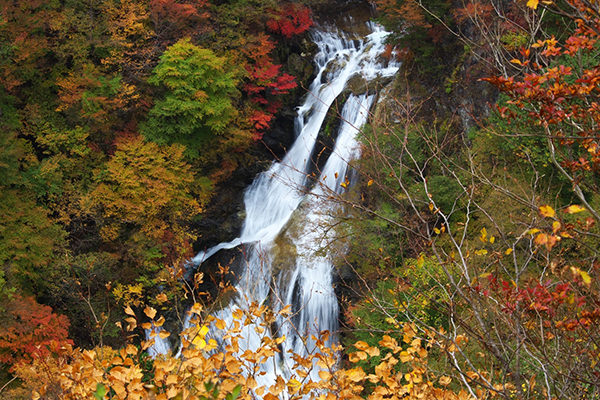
point(211, 370)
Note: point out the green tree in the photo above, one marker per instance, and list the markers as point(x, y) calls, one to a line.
point(197, 104)
point(28, 236)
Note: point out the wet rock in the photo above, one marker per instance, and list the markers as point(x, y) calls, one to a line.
point(357, 85)
point(280, 137)
point(222, 219)
point(284, 254)
point(300, 66)
point(350, 15)
point(225, 265)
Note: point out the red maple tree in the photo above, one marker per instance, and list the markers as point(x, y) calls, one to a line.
point(293, 19)
point(29, 330)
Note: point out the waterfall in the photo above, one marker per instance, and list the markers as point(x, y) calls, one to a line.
point(283, 193)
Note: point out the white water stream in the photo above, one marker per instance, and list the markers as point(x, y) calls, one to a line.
point(276, 194)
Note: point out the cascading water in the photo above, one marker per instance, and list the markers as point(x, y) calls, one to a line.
point(316, 307)
point(276, 194)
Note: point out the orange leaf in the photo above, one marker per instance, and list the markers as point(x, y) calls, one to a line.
point(150, 312)
point(163, 334)
point(161, 298)
point(361, 345)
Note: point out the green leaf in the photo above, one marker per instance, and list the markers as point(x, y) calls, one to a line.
point(235, 392)
point(100, 391)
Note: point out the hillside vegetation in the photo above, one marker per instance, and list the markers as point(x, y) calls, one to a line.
point(476, 272)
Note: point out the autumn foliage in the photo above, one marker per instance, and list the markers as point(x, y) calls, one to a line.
point(292, 19)
point(230, 372)
point(265, 84)
point(30, 330)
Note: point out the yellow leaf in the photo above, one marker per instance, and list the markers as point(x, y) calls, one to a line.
point(220, 324)
point(286, 311)
point(203, 331)
point(150, 312)
point(585, 277)
point(541, 239)
point(508, 251)
point(389, 342)
point(160, 321)
point(483, 236)
point(294, 384)
point(436, 230)
point(574, 209)
point(460, 339)
point(212, 344)
point(405, 356)
point(238, 314)
point(172, 392)
point(532, 4)
point(556, 226)
point(251, 382)
point(492, 239)
point(547, 240)
point(547, 211)
point(196, 308)
point(370, 182)
point(199, 342)
point(481, 252)
point(129, 311)
point(355, 374)
point(131, 323)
